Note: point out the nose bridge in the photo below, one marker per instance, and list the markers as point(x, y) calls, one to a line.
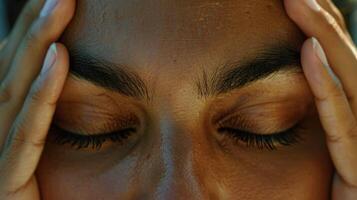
point(180, 179)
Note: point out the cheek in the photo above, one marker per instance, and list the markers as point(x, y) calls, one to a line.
point(305, 178)
point(69, 175)
point(302, 171)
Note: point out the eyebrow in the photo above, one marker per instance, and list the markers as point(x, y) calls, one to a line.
point(234, 75)
point(228, 77)
point(106, 74)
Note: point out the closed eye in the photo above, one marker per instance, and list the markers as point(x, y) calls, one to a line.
point(270, 142)
point(89, 141)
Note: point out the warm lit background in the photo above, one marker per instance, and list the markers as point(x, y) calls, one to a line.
point(10, 8)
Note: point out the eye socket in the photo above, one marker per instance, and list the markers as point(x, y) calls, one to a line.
point(263, 127)
point(260, 141)
point(95, 142)
point(98, 132)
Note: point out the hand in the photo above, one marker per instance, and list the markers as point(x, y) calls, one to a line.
point(329, 61)
point(28, 93)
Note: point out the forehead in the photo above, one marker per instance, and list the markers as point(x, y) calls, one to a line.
point(178, 32)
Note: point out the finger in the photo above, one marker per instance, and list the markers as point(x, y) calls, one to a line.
point(47, 28)
point(334, 110)
point(15, 86)
point(341, 53)
point(21, 27)
point(29, 57)
point(3, 69)
point(341, 191)
point(2, 44)
point(330, 7)
point(28, 133)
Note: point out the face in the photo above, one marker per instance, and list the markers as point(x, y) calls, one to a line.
point(183, 99)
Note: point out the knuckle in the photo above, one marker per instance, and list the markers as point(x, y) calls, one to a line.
point(335, 89)
point(336, 93)
point(333, 92)
point(352, 131)
point(342, 135)
point(330, 24)
point(19, 136)
point(338, 15)
point(38, 95)
point(35, 94)
point(334, 138)
point(22, 141)
point(340, 19)
point(17, 131)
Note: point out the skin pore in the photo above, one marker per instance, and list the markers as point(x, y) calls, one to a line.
point(176, 76)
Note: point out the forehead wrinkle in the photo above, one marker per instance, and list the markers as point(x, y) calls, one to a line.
point(175, 17)
point(91, 17)
point(129, 42)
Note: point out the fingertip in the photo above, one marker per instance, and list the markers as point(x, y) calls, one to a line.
point(59, 72)
point(308, 57)
point(50, 82)
point(62, 62)
point(317, 71)
point(311, 66)
point(56, 60)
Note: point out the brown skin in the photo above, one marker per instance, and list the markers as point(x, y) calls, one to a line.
point(176, 153)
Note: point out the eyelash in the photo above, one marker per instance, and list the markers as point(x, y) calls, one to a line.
point(264, 142)
point(251, 140)
point(78, 141)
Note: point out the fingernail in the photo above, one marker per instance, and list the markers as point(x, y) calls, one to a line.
point(48, 7)
point(50, 59)
point(320, 52)
point(322, 56)
point(313, 4)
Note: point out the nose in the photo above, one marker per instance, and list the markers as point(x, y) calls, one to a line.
point(181, 176)
point(179, 184)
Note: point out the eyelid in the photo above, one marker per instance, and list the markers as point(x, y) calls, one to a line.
point(259, 97)
point(270, 142)
point(257, 127)
point(85, 141)
point(264, 119)
point(99, 126)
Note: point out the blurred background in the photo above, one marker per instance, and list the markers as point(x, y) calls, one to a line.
point(349, 10)
point(10, 8)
